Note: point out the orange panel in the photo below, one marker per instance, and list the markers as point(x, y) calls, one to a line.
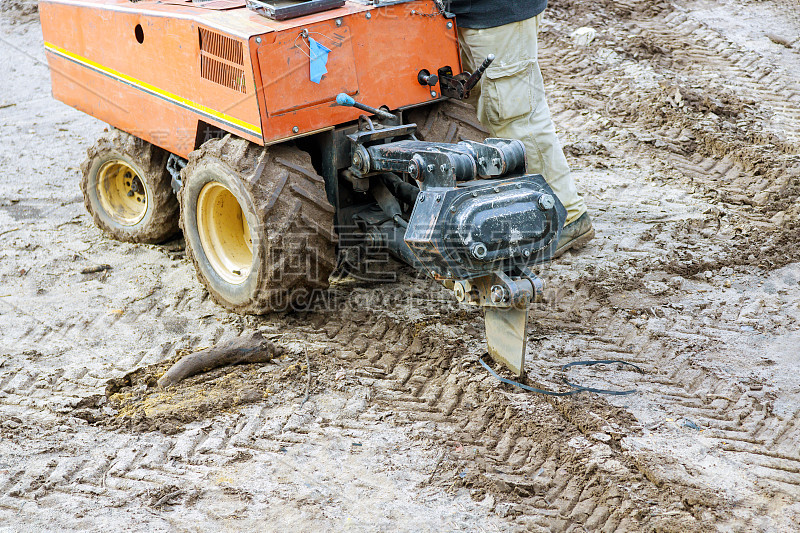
point(285, 64)
point(156, 69)
point(143, 72)
point(389, 46)
point(173, 129)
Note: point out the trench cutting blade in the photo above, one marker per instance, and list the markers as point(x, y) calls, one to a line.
point(506, 336)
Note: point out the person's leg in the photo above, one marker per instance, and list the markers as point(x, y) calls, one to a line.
point(511, 103)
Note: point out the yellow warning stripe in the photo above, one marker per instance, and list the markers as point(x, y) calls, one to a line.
point(183, 102)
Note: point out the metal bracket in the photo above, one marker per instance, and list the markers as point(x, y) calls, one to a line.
point(379, 132)
point(499, 290)
point(174, 166)
point(459, 86)
point(359, 182)
point(495, 156)
point(505, 302)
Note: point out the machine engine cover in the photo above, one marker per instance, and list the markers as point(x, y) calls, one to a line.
point(483, 226)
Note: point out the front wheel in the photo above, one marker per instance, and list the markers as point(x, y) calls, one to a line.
point(257, 223)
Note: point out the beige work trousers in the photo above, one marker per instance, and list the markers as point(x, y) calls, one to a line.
point(511, 103)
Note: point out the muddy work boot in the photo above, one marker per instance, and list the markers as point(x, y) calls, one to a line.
point(575, 235)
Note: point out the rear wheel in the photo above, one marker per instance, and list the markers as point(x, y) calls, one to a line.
point(257, 223)
point(448, 121)
point(126, 189)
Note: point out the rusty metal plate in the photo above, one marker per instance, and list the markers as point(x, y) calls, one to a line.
point(506, 336)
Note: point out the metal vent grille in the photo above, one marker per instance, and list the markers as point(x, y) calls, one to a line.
point(221, 46)
point(222, 73)
point(221, 60)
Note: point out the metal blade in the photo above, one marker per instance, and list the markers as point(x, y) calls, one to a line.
point(506, 336)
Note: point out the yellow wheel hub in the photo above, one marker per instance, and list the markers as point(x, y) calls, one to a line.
point(121, 192)
point(224, 233)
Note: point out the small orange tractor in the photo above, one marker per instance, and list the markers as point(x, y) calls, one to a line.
point(245, 124)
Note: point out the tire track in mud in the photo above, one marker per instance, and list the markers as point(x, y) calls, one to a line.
point(676, 343)
point(526, 458)
point(569, 114)
point(653, 91)
point(538, 460)
point(725, 407)
point(691, 104)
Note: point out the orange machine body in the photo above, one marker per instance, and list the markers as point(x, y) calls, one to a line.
point(167, 70)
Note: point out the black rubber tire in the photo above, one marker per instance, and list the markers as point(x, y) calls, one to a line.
point(160, 221)
point(448, 121)
point(290, 219)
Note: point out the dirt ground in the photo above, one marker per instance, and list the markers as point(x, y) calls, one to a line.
point(681, 119)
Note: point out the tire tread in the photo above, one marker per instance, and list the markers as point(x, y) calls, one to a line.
point(152, 160)
point(287, 194)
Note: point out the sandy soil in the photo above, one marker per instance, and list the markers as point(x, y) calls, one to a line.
point(681, 119)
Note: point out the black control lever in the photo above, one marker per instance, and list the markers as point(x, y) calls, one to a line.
point(344, 99)
point(473, 80)
point(459, 86)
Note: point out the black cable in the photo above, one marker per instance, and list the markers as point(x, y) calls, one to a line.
point(526, 387)
point(576, 388)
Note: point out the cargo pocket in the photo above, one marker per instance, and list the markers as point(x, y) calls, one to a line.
point(512, 90)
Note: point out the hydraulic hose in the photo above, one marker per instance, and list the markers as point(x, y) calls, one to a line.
point(403, 190)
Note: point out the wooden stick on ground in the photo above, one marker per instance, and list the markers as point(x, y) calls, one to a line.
point(250, 349)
